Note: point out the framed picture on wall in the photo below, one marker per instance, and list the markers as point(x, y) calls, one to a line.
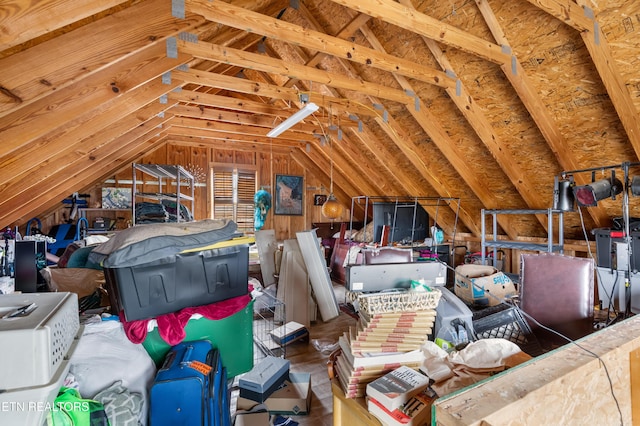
point(116, 198)
point(289, 195)
point(319, 199)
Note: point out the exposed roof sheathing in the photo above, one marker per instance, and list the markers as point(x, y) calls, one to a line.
point(484, 100)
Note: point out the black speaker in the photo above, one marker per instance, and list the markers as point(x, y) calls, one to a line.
point(26, 258)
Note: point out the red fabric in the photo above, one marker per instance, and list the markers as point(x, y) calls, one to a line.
point(171, 326)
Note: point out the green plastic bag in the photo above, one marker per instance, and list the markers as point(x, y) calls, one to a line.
point(70, 409)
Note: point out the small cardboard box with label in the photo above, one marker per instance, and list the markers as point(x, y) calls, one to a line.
point(292, 398)
point(482, 285)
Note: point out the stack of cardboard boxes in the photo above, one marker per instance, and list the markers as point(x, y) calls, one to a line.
point(271, 389)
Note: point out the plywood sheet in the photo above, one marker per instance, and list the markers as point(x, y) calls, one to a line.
point(577, 384)
point(318, 274)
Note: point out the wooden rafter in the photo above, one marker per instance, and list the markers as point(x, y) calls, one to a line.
point(227, 14)
point(537, 109)
point(419, 23)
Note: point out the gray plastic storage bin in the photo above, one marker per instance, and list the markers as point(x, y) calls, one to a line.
point(184, 280)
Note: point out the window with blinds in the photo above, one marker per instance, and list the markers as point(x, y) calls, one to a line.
point(232, 196)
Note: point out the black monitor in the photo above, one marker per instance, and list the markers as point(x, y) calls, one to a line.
point(407, 221)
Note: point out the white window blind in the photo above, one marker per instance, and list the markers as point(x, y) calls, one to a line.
point(232, 196)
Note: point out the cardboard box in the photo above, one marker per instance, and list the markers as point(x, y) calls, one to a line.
point(263, 379)
point(294, 398)
point(482, 285)
point(254, 416)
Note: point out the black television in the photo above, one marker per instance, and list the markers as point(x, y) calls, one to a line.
point(407, 221)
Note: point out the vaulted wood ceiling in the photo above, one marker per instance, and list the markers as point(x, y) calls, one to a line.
point(483, 100)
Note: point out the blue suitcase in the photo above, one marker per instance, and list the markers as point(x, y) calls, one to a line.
point(190, 388)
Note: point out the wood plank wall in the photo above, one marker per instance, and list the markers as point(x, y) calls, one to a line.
point(199, 157)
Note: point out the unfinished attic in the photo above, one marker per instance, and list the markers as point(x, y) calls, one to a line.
point(485, 134)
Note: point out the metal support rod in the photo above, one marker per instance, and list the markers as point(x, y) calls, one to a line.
point(627, 232)
point(595, 169)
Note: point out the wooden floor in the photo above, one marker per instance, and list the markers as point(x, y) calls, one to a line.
point(305, 358)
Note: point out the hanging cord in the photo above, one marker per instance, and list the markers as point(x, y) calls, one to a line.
point(595, 355)
point(330, 165)
point(327, 138)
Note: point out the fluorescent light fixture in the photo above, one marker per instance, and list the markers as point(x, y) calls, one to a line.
point(300, 115)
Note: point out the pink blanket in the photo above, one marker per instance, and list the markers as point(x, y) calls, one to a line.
point(171, 326)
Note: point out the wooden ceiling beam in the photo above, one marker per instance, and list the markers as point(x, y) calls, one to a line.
point(47, 68)
point(355, 165)
point(251, 119)
point(242, 85)
point(347, 31)
point(264, 78)
point(223, 141)
point(64, 161)
point(226, 102)
point(234, 136)
point(236, 17)
point(419, 23)
point(600, 52)
point(52, 117)
point(539, 112)
point(451, 151)
point(24, 21)
point(381, 155)
point(210, 114)
point(392, 129)
point(567, 11)
point(76, 173)
point(276, 66)
point(247, 129)
point(70, 130)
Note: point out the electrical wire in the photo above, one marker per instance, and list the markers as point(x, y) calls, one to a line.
point(505, 301)
point(610, 296)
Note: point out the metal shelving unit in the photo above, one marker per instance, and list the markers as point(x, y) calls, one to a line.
point(550, 246)
point(164, 176)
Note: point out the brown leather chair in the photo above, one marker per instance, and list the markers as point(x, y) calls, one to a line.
point(387, 255)
point(558, 291)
